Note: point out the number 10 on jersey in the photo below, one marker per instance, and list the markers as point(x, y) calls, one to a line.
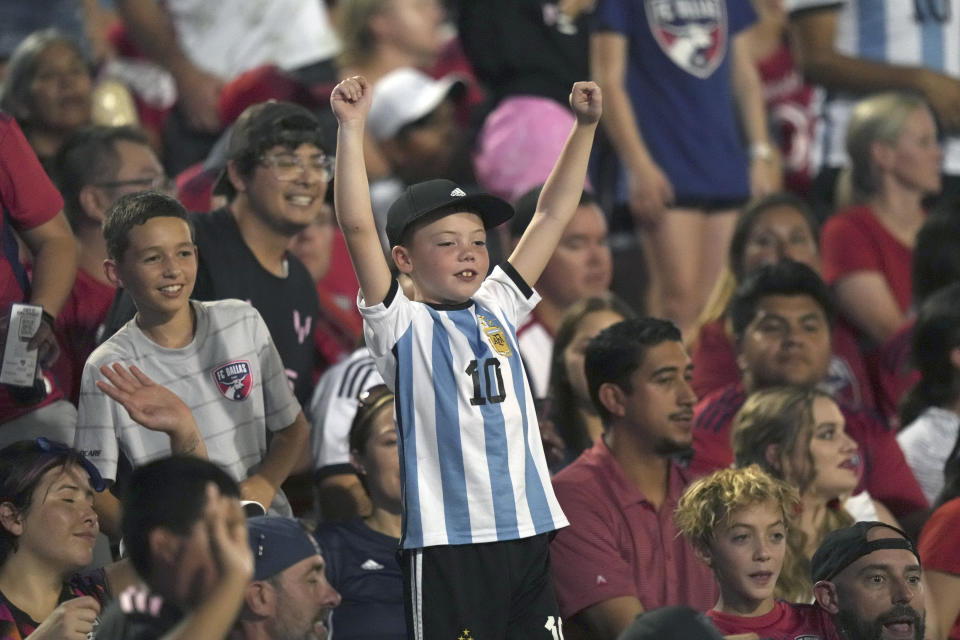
point(487, 382)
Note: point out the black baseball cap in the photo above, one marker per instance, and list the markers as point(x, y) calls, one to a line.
point(842, 547)
point(424, 198)
point(265, 124)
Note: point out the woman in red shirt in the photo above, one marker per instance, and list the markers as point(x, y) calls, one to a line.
point(867, 247)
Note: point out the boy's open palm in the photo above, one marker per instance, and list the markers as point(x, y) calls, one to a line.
point(586, 102)
point(350, 100)
point(152, 405)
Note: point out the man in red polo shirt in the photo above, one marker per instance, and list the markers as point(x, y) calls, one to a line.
point(622, 553)
point(781, 318)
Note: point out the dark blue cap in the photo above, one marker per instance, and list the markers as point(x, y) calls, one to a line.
point(278, 544)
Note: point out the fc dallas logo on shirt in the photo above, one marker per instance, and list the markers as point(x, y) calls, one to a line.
point(693, 33)
point(234, 379)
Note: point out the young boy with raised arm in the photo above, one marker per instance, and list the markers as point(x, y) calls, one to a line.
point(738, 522)
point(477, 499)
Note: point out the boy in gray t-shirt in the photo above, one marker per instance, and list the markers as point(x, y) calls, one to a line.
point(218, 357)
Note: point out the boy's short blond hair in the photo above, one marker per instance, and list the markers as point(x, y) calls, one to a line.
point(707, 504)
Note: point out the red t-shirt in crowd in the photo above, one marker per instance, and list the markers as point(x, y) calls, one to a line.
point(786, 621)
point(939, 549)
point(854, 240)
point(791, 106)
point(77, 325)
point(885, 474)
point(715, 365)
point(27, 200)
point(339, 325)
point(893, 374)
point(714, 359)
point(618, 544)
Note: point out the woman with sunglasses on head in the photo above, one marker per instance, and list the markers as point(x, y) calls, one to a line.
point(47, 532)
point(361, 554)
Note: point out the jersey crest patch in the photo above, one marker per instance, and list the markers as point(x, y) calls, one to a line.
point(234, 379)
point(495, 337)
point(693, 33)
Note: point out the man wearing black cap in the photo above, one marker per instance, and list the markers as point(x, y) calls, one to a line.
point(868, 577)
point(275, 183)
point(289, 598)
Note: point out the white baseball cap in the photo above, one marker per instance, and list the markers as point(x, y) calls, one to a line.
point(405, 95)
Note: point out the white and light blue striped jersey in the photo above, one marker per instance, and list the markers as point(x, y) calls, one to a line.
point(471, 458)
point(922, 33)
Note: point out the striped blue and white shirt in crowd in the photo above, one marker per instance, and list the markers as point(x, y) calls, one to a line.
point(924, 33)
point(472, 462)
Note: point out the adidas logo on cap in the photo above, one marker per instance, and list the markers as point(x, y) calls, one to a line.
point(458, 192)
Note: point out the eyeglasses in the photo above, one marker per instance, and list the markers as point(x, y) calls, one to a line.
point(287, 168)
point(156, 183)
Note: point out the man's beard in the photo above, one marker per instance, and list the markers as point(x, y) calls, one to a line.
point(852, 628)
point(668, 447)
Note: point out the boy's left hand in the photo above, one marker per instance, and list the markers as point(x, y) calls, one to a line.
point(586, 102)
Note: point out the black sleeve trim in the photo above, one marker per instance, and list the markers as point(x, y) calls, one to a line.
point(344, 468)
point(392, 293)
point(805, 11)
point(518, 280)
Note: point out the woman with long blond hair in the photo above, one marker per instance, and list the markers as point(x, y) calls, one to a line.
point(798, 435)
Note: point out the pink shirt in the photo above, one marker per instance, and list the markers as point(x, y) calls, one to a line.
point(618, 544)
point(786, 621)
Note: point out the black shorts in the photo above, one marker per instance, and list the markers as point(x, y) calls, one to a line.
point(490, 591)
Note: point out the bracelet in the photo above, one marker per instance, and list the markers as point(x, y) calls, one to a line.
point(48, 318)
point(761, 151)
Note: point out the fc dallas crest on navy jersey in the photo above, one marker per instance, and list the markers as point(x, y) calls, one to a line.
point(234, 379)
point(693, 33)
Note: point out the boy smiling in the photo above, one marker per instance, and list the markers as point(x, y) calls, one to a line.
point(216, 356)
point(477, 496)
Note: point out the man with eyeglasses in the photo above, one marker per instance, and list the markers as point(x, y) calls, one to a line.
point(94, 167)
point(275, 182)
